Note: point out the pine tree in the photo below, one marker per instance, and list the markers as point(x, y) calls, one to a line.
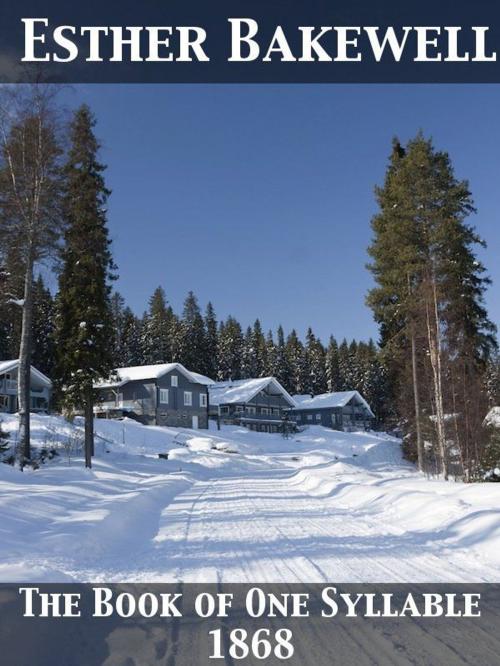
point(259, 350)
point(117, 305)
point(84, 325)
point(428, 300)
point(230, 348)
point(271, 369)
point(177, 340)
point(282, 370)
point(157, 329)
point(211, 339)
point(248, 360)
point(490, 458)
point(315, 365)
point(4, 337)
point(344, 362)
point(129, 351)
point(43, 356)
point(194, 354)
point(296, 362)
point(332, 366)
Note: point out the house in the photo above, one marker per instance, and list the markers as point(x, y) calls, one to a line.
point(41, 388)
point(343, 410)
point(257, 404)
point(165, 394)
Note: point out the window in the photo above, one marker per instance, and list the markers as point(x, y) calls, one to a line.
point(174, 380)
point(188, 398)
point(224, 410)
point(318, 417)
point(164, 396)
point(119, 399)
point(239, 409)
point(203, 399)
point(10, 384)
point(251, 410)
point(4, 401)
point(309, 417)
point(264, 410)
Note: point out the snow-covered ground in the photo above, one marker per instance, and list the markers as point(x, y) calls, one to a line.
point(240, 506)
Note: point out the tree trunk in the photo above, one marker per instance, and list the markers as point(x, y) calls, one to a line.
point(416, 397)
point(24, 372)
point(89, 428)
point(416, 392)
point(434, 340)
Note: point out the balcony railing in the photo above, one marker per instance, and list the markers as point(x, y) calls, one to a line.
point(250, 416)
point(8, 385)
point(139, 406)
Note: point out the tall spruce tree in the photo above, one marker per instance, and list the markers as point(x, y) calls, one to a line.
point(315, 364)
point(282, 371)
point(344, 362)
point(248, 364)
point(84, 323)
point(194, 354)
point(117, 304)
point(130, 351)
point(332, 366)
point(428, 300)
point(230, 348)
point(43, 356)
point(157, 329)
point(296, 362)
point(259, 350)
point(211, 340)
point(271, 369)
point(177, 340)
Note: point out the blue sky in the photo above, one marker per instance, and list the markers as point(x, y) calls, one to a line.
point(259, 197)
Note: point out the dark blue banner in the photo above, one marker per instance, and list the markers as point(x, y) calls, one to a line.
point(319, 41)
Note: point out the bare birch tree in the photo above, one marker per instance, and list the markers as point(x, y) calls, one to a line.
point(30, 195)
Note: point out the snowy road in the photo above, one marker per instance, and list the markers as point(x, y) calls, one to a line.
point(323, 507)
point(263, 530)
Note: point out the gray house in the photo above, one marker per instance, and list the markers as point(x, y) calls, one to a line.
point(41, 388)
point(257, 404)
point(166, 394)
point(343, 410)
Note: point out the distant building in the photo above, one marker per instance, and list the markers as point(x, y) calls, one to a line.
point(41, 388)
point(258, 404)
point(343, 410)
point(165, 394)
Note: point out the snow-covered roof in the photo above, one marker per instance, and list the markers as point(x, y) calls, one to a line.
point(326, 400)
point(201, 379)
point(144, 372)
point(493, 417)
point(243, 390)
point(7, 366)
